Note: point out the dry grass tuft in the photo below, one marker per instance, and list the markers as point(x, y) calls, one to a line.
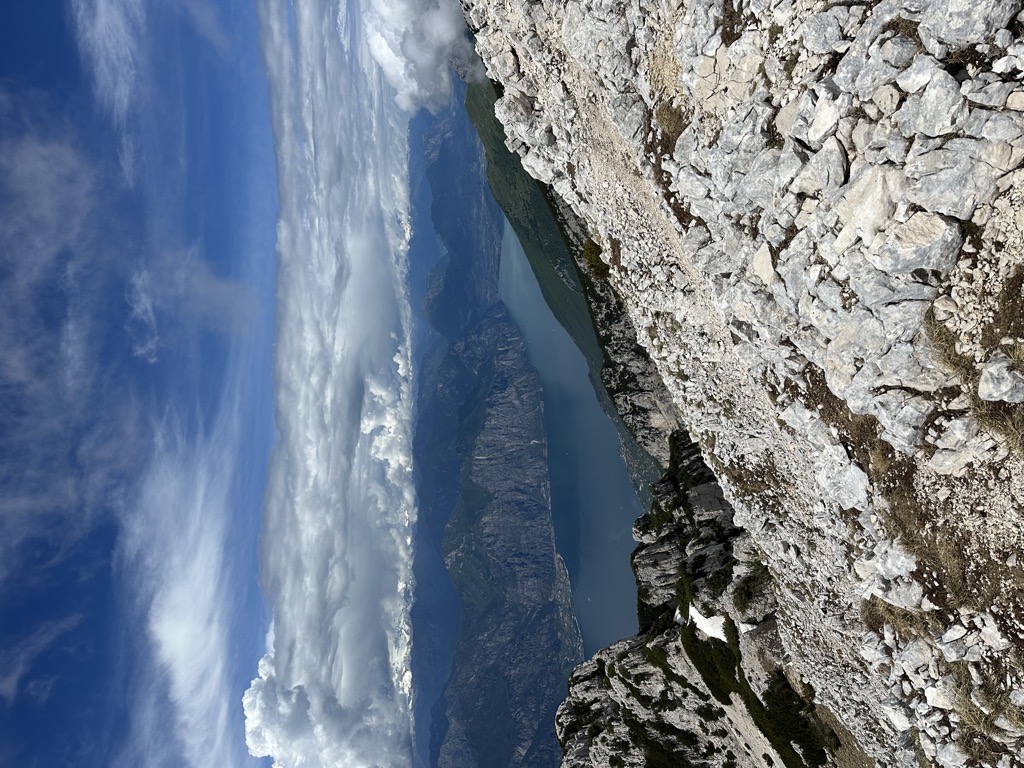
point(1005, 420)
point(907, 625)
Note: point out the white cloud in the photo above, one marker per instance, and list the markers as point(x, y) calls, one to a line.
point(16, 661)
point(174, 546)
point(47, 194)
point(207, 23)
point(109, 40)
point(180, 285)
point(335, 686)
point(413, 42)
point(142, 317)
point(76, 438)
point(77, 271)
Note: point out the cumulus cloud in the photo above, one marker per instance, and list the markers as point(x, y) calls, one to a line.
point(334, 688)
point(413, 43)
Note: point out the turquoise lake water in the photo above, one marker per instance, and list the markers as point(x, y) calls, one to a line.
point(593, 501)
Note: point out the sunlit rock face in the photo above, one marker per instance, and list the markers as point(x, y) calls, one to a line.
point(812, 217)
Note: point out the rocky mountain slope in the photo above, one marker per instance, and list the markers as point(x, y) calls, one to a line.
point(812, 215)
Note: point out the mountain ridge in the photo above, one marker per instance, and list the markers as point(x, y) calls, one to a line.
point(810, 216)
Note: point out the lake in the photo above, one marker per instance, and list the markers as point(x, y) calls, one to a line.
point(593, 501)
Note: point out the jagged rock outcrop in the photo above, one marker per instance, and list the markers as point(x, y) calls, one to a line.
point(813, 216)
point(713, 691)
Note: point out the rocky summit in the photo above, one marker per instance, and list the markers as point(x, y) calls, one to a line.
point(813, 216)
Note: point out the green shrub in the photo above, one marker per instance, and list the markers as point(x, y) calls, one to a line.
point(592, 258)
point(750, 586)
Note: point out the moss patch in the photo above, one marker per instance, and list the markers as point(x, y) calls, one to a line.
point(784, 717)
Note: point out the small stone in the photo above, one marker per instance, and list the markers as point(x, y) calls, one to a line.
point(954, 651)
point(826, 119)
point(1015, 101)
point(918, 75)
point(898, 51)
point(954, 633)
point(949, 755)
point(763, 265)
point(823, 31)
point(939, 696)
point(931, 43)
point(886, 98)
point(1000, 380)
point(990, 634)
point(866, 207)
point(898, 718)
point(952, 180)
point(925, 241)
point(940, 110)
point(987, 94)
point(944, 308)
point(824, 172)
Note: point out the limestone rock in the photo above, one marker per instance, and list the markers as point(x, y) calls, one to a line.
point(816, 213)
point(965, 22)
point(925, 241)
point(939, 110)
point(953, 180)
point(1000, 380)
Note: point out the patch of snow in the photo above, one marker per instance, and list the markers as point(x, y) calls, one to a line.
point(713, 626)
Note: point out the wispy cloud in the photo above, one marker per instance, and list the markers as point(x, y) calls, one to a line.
point(207, 22)
point(75, 437)
point(109, 36)
point(180, 284)
point(142, 317)
point(85, 440)
point(335, 685)
point(16, 661)
point(47, 193)
point(174, 547)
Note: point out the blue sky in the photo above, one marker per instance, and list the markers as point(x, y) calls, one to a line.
point(137, 260)
point(207, 507)
point(205, 385)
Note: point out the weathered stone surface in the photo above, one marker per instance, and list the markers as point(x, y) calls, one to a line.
point(822, 32)
point(937, 111)
point(940, 696)
point(866, 207)
point(918, 75)
point(1001, 380)
point(967, 22)
point(925, 241)
point(953, 180)
point(813, 257)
